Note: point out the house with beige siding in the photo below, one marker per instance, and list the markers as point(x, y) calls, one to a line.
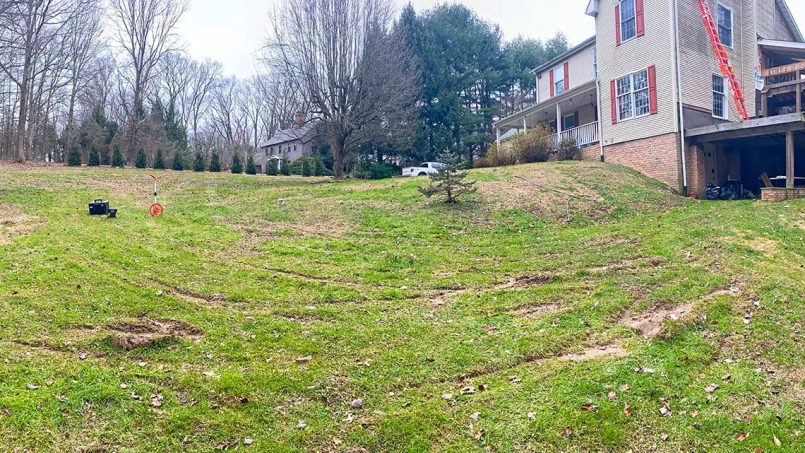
point(648, 92)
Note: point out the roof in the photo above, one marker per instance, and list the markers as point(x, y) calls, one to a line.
point(300, 134)
point(795, 50)
point(583, 45)
point(789, 19)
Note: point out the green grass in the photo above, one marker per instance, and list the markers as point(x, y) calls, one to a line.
point(397, 301)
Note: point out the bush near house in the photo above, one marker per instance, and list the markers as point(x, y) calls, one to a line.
point(198, 162)
point(251, 169)
point(285, 167)
point(237, 165)
point(272, 167)
point(372, 169)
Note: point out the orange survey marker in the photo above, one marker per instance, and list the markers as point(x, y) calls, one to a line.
point(156, 209)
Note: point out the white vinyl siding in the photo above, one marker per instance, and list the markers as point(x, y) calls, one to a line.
point(725, 25)
point(633, 95)
point(719, 97)
point(628, 20)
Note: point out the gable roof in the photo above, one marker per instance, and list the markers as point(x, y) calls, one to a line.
point(583, 45)
point(300, 134)
point(790, 21)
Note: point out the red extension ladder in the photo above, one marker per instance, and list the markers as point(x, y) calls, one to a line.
point(723, 59)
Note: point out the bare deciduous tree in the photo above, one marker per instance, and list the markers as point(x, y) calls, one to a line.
point(146, 33)
point(346, 61)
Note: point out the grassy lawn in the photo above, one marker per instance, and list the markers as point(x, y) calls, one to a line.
point(303, 314)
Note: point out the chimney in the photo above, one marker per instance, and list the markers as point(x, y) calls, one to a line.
point(299, 119)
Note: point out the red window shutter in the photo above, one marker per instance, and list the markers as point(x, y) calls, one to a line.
point(618, 24)
point(639, 17)
point(551, 82)
point(614, 100)
point(567, 76)
point(652, 89)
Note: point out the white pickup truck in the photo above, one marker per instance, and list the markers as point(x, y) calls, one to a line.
point(423, 170)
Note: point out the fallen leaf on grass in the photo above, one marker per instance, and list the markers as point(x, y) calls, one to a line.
point(447, 396)
point(514, 379)
point(711, 388)
point(664, 437)
point(301, 425)
point(156, 400)
point(665, 411)
point(135, 396)
point(627, 409)
point(624, 388)
point(226, 444)
point(475, 416)
point(740, 437)
point(32, 387)
point(468, 390)
point(248, 441)
point(567, 432)
point(589, 407)
point(49, 382)
point(305, 359)
point(777, 442)
point(531, 416)
point(357, 403)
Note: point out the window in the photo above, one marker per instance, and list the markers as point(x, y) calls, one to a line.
point(633, 95)
point(628, 20)
point(559, 80)
point(725, 25)
point(719, 97)
point(570, 122)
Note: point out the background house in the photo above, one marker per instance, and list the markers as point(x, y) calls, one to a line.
point(292, 143)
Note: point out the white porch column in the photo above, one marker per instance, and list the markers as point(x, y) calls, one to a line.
point(497, 133)
point(558, 118)
point(525, 124)
point(789, 160)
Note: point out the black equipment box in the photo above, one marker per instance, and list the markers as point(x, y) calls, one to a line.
point(99, 207)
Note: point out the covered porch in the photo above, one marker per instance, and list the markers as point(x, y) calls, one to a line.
point(782, 76)
point(573, 115)
point(761, 158)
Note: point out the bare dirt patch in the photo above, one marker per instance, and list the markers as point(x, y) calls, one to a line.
point(650, 323)
point(15, 223)
point(596, 352)
point(146, 332)
point(536, 311)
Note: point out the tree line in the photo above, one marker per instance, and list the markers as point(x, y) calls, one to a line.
point(91, 80)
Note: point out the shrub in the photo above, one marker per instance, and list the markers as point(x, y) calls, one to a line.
point(272, 167)
point(159, 161)
point(198, 162)
point(250, 167)
point(568, 150)
point(371, 169)
point(318, 167)
point(449, 180)
point(534, 146)
point(306, 167)
point(285, 167)
point(117, 158)
point(178, 162)
point(94, 158)
point(215, 163)
point(74, 157)
point(237, 165)
point(141, 161)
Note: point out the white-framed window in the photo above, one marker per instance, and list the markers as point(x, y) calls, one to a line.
point(725, 25)
point(719, 96)
point(632, 93)
point(628, 20)
point(559, 80)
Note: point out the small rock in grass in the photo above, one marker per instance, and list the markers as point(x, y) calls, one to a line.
point(248, 441)
point(32, 387)
point(711, 388)
point(301, 425)
point(447, 396)
point(531, 416)
point(357, 403)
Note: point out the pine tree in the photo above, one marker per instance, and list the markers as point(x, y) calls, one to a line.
point(250, 167)
point(159, 161)
point(285, 167)
point(272, 169)
point(94, 158)
point(141, 161)
point(74, 157)
point(178, 164)
point(215, 163)
point(237, 165)
point(306, 170)
point(198, 162)
point(449, 179)
point(117, 158)
point(318, 167)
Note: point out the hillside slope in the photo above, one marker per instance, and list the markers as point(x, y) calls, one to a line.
point(304, 314)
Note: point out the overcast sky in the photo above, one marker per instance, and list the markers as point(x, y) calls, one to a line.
point(232, 31)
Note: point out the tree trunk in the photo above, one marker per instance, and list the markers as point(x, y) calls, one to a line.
point(339, 158)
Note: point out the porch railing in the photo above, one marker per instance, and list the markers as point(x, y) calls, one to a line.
point(583, 135)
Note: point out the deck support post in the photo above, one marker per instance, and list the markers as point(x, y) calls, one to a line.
point(789, 159)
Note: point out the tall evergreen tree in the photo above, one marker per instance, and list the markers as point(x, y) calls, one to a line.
point(142, 160)
point(74, 157)
point(159, 161)
point(117, 158)
point(272, 167)
point(94, 159)
point(285, 167)
point(237, 165)
point(250, 167)
point(215, 162)
point(198, 162)
point(178, 164)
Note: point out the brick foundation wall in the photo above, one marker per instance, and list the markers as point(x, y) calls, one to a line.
point(656, 157)
point(697, 179)
point(781, 194)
